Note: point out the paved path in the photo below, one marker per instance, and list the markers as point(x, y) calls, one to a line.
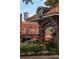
point(40, 57)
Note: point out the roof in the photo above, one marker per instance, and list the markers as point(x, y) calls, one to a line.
point(50, 11)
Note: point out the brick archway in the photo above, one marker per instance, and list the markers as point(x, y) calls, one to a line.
point(52, 21)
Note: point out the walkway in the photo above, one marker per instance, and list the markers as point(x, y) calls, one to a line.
point(40, 57)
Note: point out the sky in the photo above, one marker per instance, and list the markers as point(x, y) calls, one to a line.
point(30, 8)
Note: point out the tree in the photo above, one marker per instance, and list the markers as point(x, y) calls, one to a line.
point(52, 3)
point(28, 1)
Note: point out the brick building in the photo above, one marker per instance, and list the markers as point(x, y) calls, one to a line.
point(44, 24)
point(28, 29)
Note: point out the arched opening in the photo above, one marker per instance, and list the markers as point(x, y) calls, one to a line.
point(49, 33)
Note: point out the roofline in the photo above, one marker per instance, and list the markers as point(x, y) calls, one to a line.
point(53, 14)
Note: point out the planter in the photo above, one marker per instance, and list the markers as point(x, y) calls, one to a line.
point(39, 53)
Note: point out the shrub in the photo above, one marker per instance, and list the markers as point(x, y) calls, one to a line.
point(52, 48)
point(36, 48)
point(53, 51)
point(24, 49)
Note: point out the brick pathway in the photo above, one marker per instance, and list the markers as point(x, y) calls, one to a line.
point(40, 57)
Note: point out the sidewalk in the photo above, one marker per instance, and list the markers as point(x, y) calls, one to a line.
point(40, 57)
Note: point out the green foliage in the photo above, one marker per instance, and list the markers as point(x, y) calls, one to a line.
point(30, 48)
point(53, 4)
point(50, 44)
point(35, 49)
point(52, 48)
point(53, 51)
point(24, 49)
